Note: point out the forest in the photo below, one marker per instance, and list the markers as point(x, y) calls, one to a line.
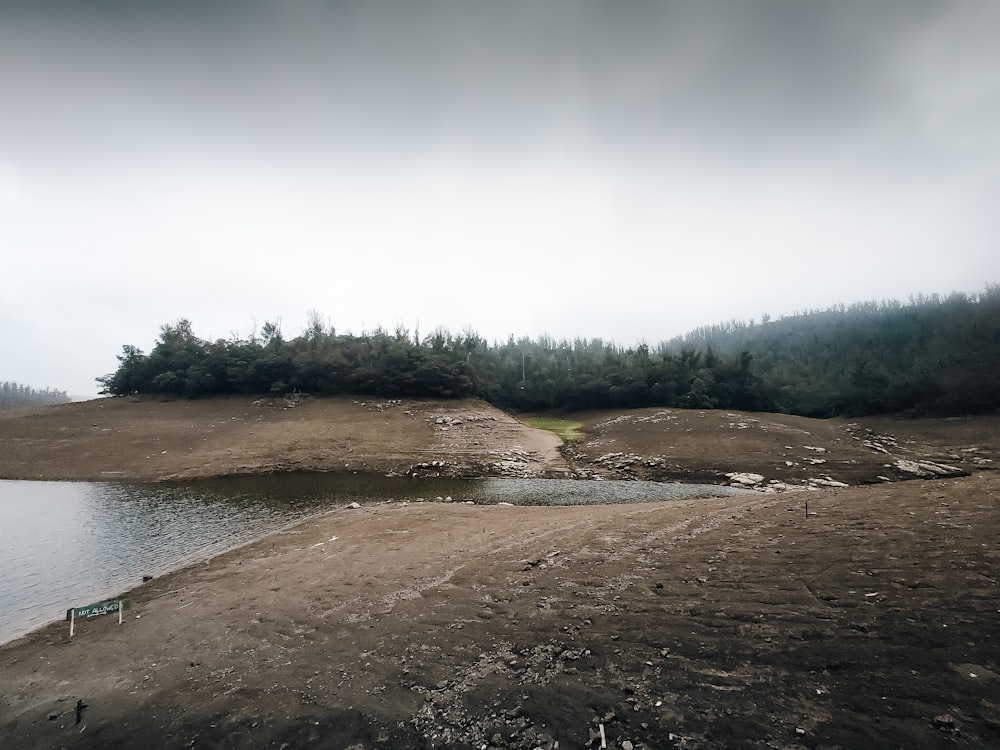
point(933, 355)
point(16, 395)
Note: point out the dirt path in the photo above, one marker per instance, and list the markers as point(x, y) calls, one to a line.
point(740, 621)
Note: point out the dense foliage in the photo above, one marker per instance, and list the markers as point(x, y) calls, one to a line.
point(935, 355)
point(14, 394)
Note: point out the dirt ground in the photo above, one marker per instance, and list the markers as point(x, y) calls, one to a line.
point(869, 620)
point(784, 451)
point(152, 439)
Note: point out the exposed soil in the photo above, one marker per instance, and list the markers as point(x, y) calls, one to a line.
point(786, 451)
point(870, 620)
point(150, 439)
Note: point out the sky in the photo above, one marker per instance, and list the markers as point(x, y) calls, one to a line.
point(623, 170)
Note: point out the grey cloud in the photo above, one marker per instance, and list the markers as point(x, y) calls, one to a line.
point(741, 77)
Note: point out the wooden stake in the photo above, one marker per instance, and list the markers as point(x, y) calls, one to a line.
point(72, 620)
point(604, 741)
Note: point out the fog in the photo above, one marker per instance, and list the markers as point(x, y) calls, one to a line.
point(625, 171)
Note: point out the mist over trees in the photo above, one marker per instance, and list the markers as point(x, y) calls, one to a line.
point(932, 355)
point(15, 394)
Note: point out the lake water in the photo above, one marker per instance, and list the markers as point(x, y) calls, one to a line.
point(71, 543)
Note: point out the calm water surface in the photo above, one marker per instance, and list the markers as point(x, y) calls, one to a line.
point(71, 543)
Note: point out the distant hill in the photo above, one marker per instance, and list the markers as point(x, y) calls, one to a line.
point(15, 395)
point(932, 355)
point(937, 355)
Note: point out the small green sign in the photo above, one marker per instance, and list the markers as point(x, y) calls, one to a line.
point(100, 608)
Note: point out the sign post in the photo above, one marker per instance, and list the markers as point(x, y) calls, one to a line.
point(94, 610)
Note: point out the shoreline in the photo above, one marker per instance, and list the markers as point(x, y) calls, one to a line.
point(180, 567)
point(446, 625)
point(13, 631)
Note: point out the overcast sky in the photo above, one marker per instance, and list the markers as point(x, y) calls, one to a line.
point(627, 170)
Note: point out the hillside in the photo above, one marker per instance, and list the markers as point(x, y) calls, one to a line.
point(153, 439)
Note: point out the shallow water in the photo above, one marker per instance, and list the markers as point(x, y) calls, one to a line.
point(71, 543)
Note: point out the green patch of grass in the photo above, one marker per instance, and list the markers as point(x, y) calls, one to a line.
point(564, 428)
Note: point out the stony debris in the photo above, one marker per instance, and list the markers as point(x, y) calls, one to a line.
point(744, 479)
point(448, 421)
point(776, 485)
point(873, 441)
point(826, 481)
point(288, 401)
point(428, 469)
point(445, 719)
point(513, 462)
point(927, 469)
point(944, 722)
point(381, 405)
point(664, 415)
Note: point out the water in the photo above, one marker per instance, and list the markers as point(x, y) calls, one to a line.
point(71, 543)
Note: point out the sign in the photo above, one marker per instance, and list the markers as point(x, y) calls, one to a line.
point(94, 610)
point(100, 608)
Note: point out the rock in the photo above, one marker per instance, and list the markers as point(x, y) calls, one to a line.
point(944, 721)
point(827, 482)
point(354, 506)
point(745, 479)
point(927, 468)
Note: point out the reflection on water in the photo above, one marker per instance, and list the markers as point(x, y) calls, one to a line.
point(68, 543)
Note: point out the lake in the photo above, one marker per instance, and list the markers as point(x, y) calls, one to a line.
point(71, 543)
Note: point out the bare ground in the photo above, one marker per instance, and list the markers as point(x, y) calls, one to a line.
point(872, 621)
point(152, 439)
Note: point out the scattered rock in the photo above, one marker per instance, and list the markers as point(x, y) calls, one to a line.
point(944, 721)
point(827, 481)
point(928, 468)
point(744, 479)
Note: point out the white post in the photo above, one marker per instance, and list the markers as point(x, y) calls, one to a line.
point(72, 620)
point(120, 605)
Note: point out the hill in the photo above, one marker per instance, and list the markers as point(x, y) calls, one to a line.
point(154, 439)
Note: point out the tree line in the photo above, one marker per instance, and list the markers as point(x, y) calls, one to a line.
point(16, 394)
point(933, 355)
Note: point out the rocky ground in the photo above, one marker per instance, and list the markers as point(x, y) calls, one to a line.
point(778, 452)
point(839, 617)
